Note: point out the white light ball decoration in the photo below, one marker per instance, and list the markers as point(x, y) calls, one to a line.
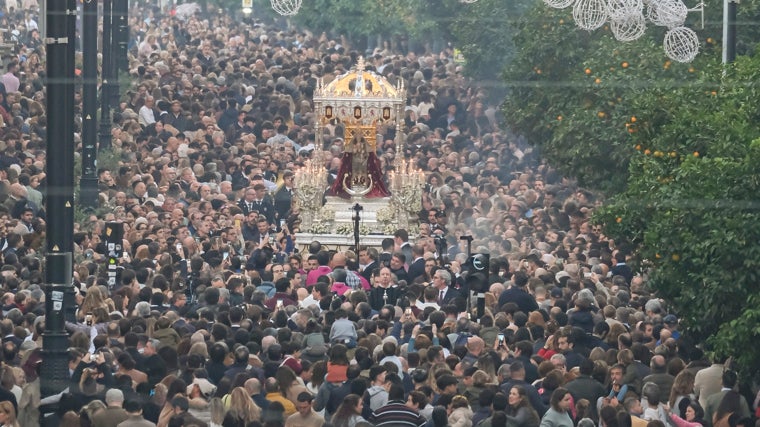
point(622, 10)
point(286, 7)
point(590, 14)
point(559, 4)
point(667, 13)
point(630, 29)
point(681, 44)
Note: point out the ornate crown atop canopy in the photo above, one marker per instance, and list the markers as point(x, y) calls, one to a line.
point(360, 83)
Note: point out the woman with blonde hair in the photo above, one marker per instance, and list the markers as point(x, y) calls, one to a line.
point(683, 388)
point(243, 405)
point(8, 415)
point(94, 299)
point(217, 411)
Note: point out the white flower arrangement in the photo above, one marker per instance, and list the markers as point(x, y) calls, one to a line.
point(386, 214)
point(325, 214)
point(319, 227)
point(344, 229)
point(348, 229)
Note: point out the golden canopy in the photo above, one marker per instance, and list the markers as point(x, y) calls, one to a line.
point(360, 83)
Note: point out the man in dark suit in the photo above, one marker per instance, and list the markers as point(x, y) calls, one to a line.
point(384, 258)
point(518, 294)
point(401, 239)
point(246, 203)
point(442, 282)
point(263, 231)
point(621, 268)
point(417, 265)
point(368, 259)
point(262, 203)
point(398, 262)
point(283, 197)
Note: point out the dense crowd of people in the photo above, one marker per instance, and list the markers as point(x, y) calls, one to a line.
point(220, 317)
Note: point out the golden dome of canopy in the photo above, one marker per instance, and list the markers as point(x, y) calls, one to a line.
point(360, 83)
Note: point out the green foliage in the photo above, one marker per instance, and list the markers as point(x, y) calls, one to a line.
point(671, 142)
point(360, 18)
point(107, 159)
point(575, 95)
point(483, 31)
point(690, 208)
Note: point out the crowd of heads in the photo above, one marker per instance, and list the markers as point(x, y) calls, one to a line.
point(219, 314)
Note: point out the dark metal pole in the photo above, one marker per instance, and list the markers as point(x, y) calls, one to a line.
point(118, 20)
point(468, 238)
point(729, 31)
point(61, 17)
point(357, 208)
point(105, 86)
point(121, 23)
point(88, 184)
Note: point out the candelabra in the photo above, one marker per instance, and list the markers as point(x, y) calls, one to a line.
point(310, 184)
point(406, 191)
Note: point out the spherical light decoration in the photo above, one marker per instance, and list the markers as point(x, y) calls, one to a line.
point(681, 44)
point(629, 29)
point(667, 13)
point(622, 10)
point(590, 14)
point(286, 7)
point(559, 4)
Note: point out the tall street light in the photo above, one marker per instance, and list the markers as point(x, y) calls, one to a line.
point(61, 27)
point(88, 184)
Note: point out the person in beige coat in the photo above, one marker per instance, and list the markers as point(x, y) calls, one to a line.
point(460, 414)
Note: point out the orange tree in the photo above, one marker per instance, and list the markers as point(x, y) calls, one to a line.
point(575, 94)
point(676, 146)
point(691, 210)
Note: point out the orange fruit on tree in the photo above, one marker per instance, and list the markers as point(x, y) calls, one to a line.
point(624, 65)
point(633, 119)
point(588, 71)
point(696, 154)
point(638, 147)
point(601, 114)
point(597, 80)
point(647, 152)
point(618, 220)
point(559, 118)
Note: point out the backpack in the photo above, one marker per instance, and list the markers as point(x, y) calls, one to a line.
point(366, 400)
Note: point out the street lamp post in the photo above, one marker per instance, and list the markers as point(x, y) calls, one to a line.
point(61, 24)
point(729, 31)
point(107, 70)
point(88, 184)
